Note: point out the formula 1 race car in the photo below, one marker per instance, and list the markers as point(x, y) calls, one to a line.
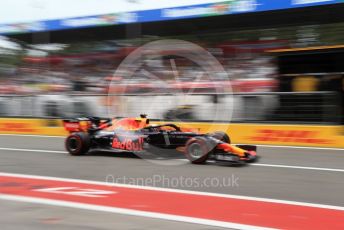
point(137, 135)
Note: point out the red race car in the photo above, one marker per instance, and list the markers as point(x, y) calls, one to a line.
point(138, 136)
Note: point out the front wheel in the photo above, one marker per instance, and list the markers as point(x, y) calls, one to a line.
point(197, 150)
point(78, 143)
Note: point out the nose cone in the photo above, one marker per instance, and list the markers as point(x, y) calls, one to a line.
point(252, 153)
point(250, 156)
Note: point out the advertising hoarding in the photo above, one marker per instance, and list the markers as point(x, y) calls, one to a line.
point(145, 14)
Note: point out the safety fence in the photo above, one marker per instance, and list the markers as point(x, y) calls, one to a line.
point(269, 107)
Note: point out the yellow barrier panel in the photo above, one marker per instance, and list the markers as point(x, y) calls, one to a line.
point(266, 134)
point(50, 127)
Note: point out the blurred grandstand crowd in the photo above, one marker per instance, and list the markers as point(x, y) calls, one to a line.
point(88, 67)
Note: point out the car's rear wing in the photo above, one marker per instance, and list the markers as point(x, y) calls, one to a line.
point(77, 125)
point(84, 124)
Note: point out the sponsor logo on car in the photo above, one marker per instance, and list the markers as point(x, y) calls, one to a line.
point(129, 144)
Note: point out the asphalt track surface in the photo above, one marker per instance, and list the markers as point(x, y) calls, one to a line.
point(293, 174)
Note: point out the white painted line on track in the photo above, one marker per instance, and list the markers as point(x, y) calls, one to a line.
point(251, 198)
point(298, 147)
point(132, 212)
point(298, 167)
point(292, 147)
point(287, 166)
point(33, 150)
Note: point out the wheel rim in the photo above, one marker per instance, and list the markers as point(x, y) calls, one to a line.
point(196, 151)
point(73, 143)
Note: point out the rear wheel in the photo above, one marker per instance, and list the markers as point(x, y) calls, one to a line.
point(222, 136)
point(197, 150)
point(78, 143)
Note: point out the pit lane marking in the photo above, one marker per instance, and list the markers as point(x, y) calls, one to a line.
point(75, 191)
point(280, 210)
point(251, 198)
point(298, 147)
point(286, 166)
point(298, 167)
point(132, 212)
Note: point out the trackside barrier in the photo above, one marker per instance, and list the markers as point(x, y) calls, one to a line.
point(49, 127)
point(265, 134)
point(269, 107)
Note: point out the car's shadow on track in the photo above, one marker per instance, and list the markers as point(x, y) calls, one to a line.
point(164, 157)
point(226, 164)
point(146, 155)
point(111, 154)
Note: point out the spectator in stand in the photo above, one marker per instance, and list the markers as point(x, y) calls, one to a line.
point(78, 84)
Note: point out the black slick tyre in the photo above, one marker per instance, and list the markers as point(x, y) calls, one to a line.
point(78, 143)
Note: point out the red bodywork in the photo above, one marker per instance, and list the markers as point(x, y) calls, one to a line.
point(132, 124)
